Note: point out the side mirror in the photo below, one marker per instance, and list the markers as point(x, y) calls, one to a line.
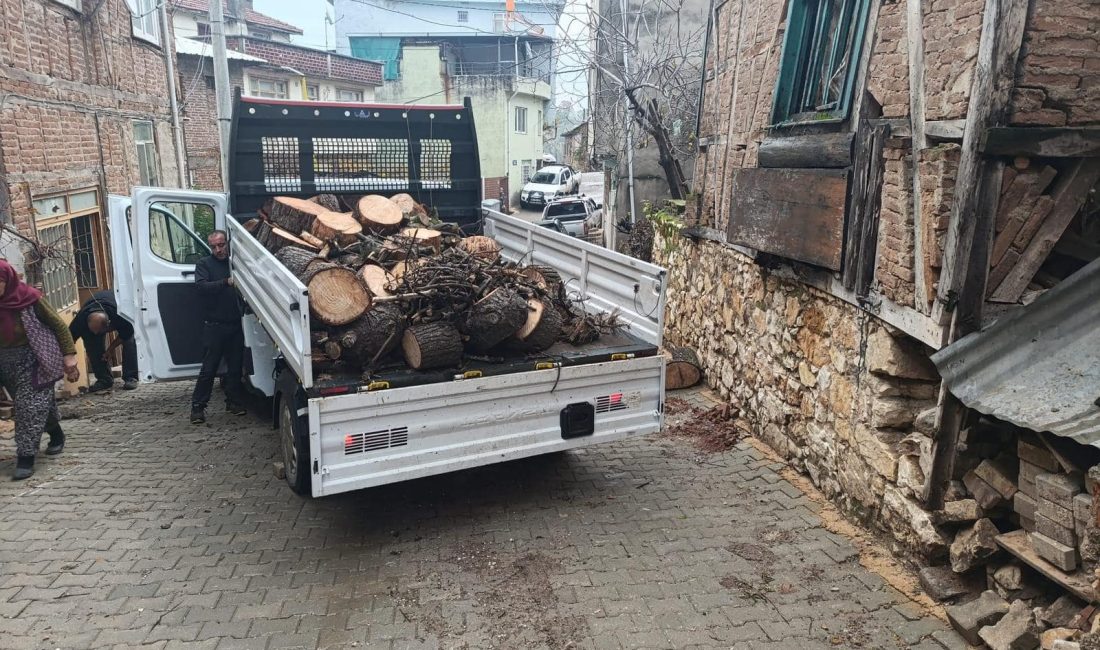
point(599, 206)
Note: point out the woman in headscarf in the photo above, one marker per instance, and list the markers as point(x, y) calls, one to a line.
point(36, 349)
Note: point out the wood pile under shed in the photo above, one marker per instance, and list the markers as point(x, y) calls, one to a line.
point(386, 279)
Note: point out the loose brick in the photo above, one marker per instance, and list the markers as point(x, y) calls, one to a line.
point(1037, 456)
point(997, 476)
point(1061, 516)
point(1082, 509)
point(988, 498)
point(1060, 534)
point(1024, 506)
point(1062, 556)
point(1059, 488)
point(969, 618)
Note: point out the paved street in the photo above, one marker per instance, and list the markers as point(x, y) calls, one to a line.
point(151, 532)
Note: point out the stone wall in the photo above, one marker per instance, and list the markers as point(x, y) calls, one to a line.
point(1058, 81)
point(824, 383)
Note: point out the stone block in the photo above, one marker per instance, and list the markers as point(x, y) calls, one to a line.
point(998, 476)
point(988, 498)
point(1062, 556)
point(969, 618)
point(1050, 637)
point(1016, 630)
point(1027, 487)
point(925, 422)
point(1065, 645)
point(1059, 488)
point(1014, 582)
point(1029, 471)
point(1060, 534)
point(1035, 454)
point(1061, 612)
point(1061, 516)
point(958, 512)
point(1082, 509)
point(1024, 505)
point(941, 583)
point(974, 546)
point(893, 357)
point(911, 524)
point(1027, 524)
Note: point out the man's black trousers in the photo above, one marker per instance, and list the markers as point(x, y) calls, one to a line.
point(220, 341)
point(95, 346)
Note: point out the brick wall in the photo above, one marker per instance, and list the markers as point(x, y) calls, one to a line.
point(888, 79)
point(312, 62)
point(1058, 81)
point(952, 29)
point(69, 92)
point(200, 112)
point(894, 263)
point(496, 188)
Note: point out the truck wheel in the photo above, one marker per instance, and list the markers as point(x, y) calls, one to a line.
point(294, 447)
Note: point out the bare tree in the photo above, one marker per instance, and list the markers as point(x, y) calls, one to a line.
point(645, 62)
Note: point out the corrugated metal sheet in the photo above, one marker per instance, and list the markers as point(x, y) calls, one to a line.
point(1038, 367)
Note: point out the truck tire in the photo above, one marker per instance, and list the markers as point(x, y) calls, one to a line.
point(295, 447)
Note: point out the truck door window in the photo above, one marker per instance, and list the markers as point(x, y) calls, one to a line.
point(178, 231)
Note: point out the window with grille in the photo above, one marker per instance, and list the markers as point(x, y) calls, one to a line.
point(463, 16)
point(348, 95)
point(521, 119)
point(82, 230)
point(146, 22)
point(269, 88)
point(313, 92)
point(146, 153)
point(821, 53)
point(55, 269)
point(204, 30)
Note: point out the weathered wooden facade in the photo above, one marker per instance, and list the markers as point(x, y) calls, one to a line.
point(875, 179)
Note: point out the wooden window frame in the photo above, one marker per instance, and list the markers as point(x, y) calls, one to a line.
point(145, 25)
point(253, 85)
point(804, 44)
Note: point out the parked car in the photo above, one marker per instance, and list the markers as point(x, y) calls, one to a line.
point(549, 183)
point(578, 215)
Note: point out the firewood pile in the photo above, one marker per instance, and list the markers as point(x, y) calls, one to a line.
point(388, 281)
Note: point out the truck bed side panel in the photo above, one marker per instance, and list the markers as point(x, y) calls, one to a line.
point(279, 299)
point(370, 439)
point(603, 279)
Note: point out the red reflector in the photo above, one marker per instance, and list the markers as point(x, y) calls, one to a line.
point(335, 390)
point(349, 441)
point(616, 398)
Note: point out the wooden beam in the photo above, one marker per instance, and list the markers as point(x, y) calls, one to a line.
point(945, 129)
point(961, 292)
point(914, 21)
point(1069, 195)
point(1018, 213)
point(999, 48)
point(1049, 142)
point(868, 235)
point(828, 150)
point(899, 126)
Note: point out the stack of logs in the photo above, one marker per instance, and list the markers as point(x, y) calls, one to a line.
point(384, 275)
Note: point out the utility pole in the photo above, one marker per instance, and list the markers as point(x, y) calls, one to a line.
point(173, 101)
point(626, 110)
point(221, 85)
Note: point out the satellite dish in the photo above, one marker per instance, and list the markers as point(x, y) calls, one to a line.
point(132, 5)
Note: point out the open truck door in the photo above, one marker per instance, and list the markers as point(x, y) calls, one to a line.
point(156, 244)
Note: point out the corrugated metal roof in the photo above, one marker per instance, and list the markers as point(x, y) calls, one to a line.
point(191, 47)
point(1038, 367)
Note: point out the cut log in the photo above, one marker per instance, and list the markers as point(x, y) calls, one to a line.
point(294, 215)
point(372, 336)
point(282, 238)
point(432, 345)
point(296, 260)
point(414, 213)
point(251, 225)
point(340, 226)
point(425, 237)
point(545, 278)
point(329, 202)
point(376, 279)
point(481, 247)
point(542, 327)
point(310, 239)
point(337, 295)
point(378, 214)
point(494, 318)
point(683, 369)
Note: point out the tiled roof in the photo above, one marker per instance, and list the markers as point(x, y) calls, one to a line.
point(251, 16)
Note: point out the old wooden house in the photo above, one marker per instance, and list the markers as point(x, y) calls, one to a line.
point(877, 179)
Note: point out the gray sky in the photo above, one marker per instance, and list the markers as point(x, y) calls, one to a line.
point(307, 14)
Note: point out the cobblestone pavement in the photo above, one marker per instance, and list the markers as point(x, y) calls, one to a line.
point(151, 532)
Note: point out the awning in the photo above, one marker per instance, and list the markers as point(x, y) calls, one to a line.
point(1038, 367)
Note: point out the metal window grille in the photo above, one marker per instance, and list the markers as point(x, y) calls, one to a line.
point(281, 167)
point(360, 164)
point(83, 235)
point(463, 16)
point(435, 163)
point(55, 269)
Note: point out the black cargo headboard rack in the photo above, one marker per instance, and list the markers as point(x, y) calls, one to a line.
point(302, 148)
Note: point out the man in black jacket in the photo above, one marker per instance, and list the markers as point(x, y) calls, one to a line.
point(222, 335)
point(97, 317)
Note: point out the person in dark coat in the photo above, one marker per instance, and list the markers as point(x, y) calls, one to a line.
point(222, 334)
point(96, 317)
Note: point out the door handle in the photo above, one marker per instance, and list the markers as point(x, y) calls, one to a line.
point(187, 273)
